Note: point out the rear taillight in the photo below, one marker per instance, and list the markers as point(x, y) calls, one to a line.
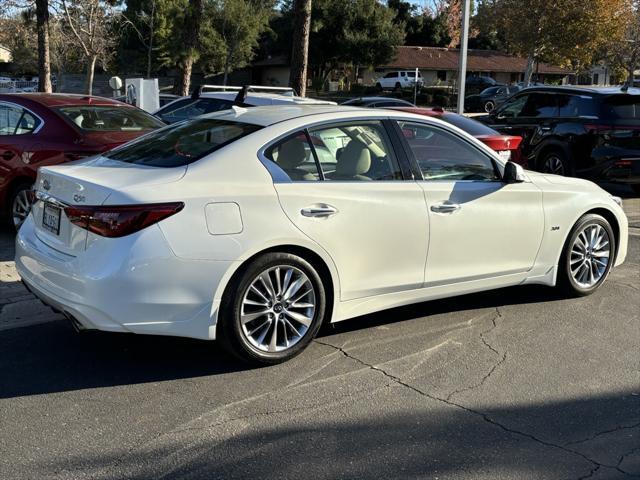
point(120, 220)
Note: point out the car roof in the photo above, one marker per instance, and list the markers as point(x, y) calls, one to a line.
point(60, 99)
point(270, 115)
point(581, 89)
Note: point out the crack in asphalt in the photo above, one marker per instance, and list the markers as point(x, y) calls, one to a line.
point(591, 473)
point(483, 415)
point(630, 452)
point(502, 359)
point(604, 432)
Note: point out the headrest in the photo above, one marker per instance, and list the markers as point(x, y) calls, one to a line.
point(355, 159)
point(291, 153)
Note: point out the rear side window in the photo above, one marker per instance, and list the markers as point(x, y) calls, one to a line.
point(93, 118)
point(577, 106)
point(181, 144)
point(294, 156)
point(16, 121)
point(625, 107)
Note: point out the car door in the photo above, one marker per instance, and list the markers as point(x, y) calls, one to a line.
point(479, 227)
point(529, 116)
point(345, 189)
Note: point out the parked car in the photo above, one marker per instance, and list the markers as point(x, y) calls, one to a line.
point(38, 129)
point(586, 132)
point(377, 102)
point(164, 98)
point(229, 227)
point(489, 98)
point(506, 146)
point(477, 83)
point(223, 98)
point(399, 79)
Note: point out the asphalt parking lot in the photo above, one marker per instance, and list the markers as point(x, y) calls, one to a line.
point(517, 383)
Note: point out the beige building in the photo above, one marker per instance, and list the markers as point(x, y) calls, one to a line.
point(5, 55)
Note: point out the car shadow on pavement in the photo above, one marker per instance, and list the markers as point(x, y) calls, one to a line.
point(417, 438)
point(52, 357)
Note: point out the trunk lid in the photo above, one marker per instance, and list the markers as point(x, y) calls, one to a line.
point(88, 182)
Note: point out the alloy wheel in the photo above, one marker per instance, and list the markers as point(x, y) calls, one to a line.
point(277, 308)
point(590, 255)
point(553, 164)
point(20, 208)
point(489, 107)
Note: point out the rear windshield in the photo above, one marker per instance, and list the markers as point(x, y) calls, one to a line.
point(472, 127)
point(110, 118)
point(623, 106)
point(182, 143)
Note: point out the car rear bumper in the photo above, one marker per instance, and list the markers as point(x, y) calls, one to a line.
point(129, 284)
point(617, 166)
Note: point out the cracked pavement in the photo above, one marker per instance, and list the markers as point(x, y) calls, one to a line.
point(517, 383)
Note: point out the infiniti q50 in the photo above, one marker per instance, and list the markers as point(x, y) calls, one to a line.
point(255, 226)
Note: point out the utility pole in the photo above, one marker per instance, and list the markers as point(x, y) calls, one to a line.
point(462, 69)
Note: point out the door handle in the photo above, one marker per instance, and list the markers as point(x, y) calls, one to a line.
point(545, 128)
point(7, 155)
point(319, 210)
point(445, 208)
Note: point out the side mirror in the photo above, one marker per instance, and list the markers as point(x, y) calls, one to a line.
point(513, 173)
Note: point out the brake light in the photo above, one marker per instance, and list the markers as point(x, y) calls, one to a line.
point(119, 220)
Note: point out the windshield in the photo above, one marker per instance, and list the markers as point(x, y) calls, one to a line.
point(625, 107)
point(110, 118)
point(182, 143)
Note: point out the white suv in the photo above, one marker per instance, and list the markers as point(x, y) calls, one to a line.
point(223, 98)
point(399, 79)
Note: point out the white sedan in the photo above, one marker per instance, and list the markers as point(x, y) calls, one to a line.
point(255, 226)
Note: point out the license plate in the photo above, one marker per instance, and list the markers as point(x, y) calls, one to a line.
point(51, 218)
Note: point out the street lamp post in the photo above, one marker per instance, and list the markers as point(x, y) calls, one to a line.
point(464, 40)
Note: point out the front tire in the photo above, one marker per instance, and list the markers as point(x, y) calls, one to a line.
point(489, 106)
point(555, 162)
point(588, 256)
point(273, 310)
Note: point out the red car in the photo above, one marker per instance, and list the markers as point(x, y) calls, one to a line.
point(38, 129)
point(507, 146)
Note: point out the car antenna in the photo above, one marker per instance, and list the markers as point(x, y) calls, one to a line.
point(241, 96)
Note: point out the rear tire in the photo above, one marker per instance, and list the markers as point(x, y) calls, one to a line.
point(272, 310)
point(398, 86)
point(19, 204)
point(378, 87)
point(587, 256)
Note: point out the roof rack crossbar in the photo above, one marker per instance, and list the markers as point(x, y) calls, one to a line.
point(249, 88)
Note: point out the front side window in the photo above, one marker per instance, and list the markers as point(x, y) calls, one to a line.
point(540, 105)
point(295, 157)
point(109, 118)
point(391, 75)
point(443, 156)
point(513, 108)
point(359, 151)
point(16, 121)
point(182, 144)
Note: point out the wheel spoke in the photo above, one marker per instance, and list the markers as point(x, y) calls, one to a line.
point(254, 289)
point(295, 286)
point(273, 343)
point(298, 317)
point(247, 317)
point(265, 278)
